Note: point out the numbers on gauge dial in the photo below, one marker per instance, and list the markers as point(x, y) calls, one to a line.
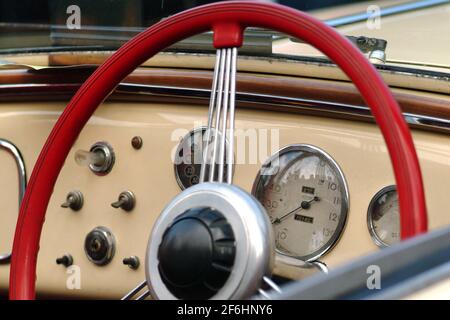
point(384, 217)
point(304, 203)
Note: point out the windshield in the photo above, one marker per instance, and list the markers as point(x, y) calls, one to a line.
point(416, 32)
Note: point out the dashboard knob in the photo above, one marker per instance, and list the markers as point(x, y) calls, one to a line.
point(100, 158)
point(66, 260)
point(197, 253)
point(133, 262)
point(100, 246)
point(126, 201)
point(88, 158)
point(74, 200)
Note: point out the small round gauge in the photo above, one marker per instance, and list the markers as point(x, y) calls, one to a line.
point(306, 197)
point(189, 157)
point(383, 217)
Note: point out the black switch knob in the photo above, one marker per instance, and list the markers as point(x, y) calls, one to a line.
point(66, 260)
point(74, 200)
point(197, 253)
point(126, 201)
point(133, 262)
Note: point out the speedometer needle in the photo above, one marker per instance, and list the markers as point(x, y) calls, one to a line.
point(303, 205)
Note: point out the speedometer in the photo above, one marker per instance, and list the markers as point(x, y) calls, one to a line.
point(306, 197)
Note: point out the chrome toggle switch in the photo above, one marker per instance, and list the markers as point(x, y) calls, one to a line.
point(100, 158)
point(126, 201)
point(74, 200)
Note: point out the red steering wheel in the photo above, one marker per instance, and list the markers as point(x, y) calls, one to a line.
point(227, 20)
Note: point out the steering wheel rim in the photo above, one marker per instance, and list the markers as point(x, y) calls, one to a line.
point(227, 20)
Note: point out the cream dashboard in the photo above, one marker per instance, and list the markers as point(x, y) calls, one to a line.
point(327, 174)
point(305, 148)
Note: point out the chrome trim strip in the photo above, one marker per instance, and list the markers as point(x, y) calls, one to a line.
point(316, 107)
point(358, 112)
point(402, 8)
point(15, 152)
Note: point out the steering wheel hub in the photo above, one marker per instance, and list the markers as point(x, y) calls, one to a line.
point(197, 254)
point(197, 251)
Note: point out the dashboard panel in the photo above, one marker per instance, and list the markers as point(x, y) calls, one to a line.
point(148, 172)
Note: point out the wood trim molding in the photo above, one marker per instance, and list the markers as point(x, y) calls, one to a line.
point(63, 83)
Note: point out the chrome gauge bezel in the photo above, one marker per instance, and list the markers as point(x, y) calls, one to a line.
point(110, 158)
point(345, 203)
point(376, 239)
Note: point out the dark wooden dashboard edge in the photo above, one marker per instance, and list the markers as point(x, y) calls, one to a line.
point(63, 83)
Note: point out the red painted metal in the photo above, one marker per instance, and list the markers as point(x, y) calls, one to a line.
point(228, 35)
point(161, 35)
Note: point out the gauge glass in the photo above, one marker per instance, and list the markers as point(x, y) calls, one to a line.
point(305, 195)
point(189, 157)
point(383, 217)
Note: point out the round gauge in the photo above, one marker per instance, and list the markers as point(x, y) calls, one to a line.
point(306, 197)
point(188, 158)
point(383, 217)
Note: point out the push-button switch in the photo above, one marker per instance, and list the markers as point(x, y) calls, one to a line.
point(99, 246)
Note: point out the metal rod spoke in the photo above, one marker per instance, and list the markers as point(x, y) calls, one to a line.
point(220, 129)
point(135, 291)
point(210, 117)
point(230, 154)
point(217, 120)
point(272, 284)
point(223, 137)
point(144, 295)
point(264, 294)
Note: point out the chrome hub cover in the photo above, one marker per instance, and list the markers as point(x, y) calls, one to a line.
point(231, 240)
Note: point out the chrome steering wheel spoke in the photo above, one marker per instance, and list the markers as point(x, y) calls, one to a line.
point(221, 122)
point(138, 293)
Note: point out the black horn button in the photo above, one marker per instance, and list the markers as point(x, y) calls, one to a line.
point(196, 254)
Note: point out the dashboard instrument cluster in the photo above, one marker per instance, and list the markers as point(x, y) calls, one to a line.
point(306, 197)
point(325, 207)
